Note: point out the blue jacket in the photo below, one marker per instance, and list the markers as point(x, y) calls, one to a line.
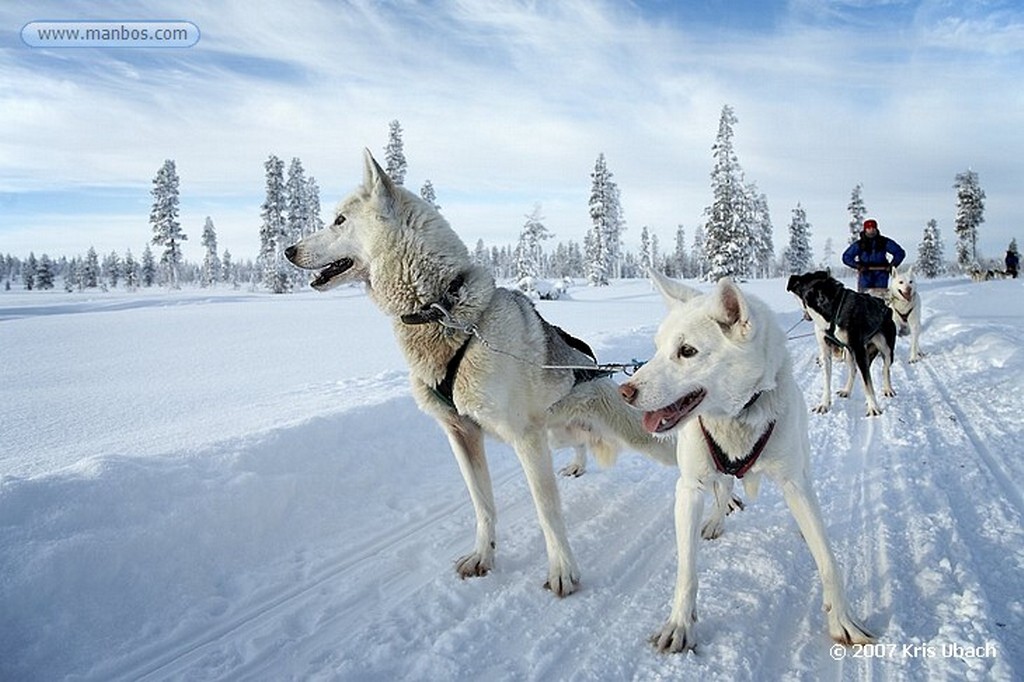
point(870, 257)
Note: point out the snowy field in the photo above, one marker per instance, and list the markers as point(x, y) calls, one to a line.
point(236, 486)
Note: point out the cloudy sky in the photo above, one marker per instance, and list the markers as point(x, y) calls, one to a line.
point(505, 104)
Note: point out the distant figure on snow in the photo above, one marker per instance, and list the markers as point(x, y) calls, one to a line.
point(1012, 263)
point(869, 256)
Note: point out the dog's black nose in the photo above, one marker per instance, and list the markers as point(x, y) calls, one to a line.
point(290, 252)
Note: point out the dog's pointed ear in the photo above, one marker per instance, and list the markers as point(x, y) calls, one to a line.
point(377, 182)
point(673, 291)
point(729, 308)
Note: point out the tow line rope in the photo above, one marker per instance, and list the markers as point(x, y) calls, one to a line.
point(448, 321)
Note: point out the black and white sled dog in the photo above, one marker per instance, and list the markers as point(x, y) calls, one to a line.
point(722, 379)
point(847, 320)
point(905, 302)
point(475, 354)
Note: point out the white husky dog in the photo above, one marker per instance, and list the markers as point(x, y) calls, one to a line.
point(722, 378)
point(906, 307)
point(475, 355)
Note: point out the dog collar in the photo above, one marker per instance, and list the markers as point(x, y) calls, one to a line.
point(739, 467)
point(430, 312)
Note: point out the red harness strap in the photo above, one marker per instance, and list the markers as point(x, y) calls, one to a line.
point(741, 466)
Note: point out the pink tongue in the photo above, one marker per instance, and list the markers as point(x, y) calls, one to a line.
point(653, 419)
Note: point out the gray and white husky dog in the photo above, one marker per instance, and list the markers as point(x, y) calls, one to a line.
point(722, 379)
point(475, 354)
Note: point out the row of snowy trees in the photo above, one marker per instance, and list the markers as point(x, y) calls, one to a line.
point(290, 211)
point(113, 271)
point(735, 239)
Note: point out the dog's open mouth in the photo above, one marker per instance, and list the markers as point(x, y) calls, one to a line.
point(338, 267)
point(666, 418)
point(907, 294)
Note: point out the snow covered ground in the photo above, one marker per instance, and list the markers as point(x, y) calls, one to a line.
point(225, 485)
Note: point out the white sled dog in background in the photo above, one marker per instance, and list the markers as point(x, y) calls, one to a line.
point(905, 302)
point(475, 353)
point(722, 380)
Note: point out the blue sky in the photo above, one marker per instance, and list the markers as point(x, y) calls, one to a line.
point(506, 104)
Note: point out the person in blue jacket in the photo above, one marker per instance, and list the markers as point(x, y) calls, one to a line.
point(870, 257)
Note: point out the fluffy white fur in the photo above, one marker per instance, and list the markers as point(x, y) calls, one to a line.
point(721, 357)
point(408, 256)
point(905, 302)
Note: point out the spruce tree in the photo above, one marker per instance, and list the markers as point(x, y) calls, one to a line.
point(970, 214)
point(274, 272)
point(90, 272)
point(28, 272)
point(679, 260)
point(44, 274)
point(930, 260)
point(210, 273)
point(603, 253)
point(312, 196)
point(646, 260)
point(112, 269)
point(148, 267)
point(297, 203)
point(394, 154)
point(131, 272)
point(762, 252)
point(164, 219)
point(698, 262)
point(798, 254)
point(828, 253)
point(428, 194)
point(227, 269)
point(727, 235)
point(529, 251)
point(857, 213)
point(73, 276)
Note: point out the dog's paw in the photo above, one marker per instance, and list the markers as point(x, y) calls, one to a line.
point(563, 583)
point(874, 411)
point(846, 630)
point(473, 565)
point(889, 393)
point(823, 408)
point(843, 393)
point(916, 358)
point(713, 529)
point(573, 470)
point(674, 638)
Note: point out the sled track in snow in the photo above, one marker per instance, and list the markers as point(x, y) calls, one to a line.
point(176, 659)
point(999, 473)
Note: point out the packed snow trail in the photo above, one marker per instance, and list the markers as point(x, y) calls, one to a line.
point(319, 545)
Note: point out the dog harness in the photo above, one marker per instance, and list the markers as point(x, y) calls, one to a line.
point(738, 467)
point(830, 333)
point(430, 312)
point(441, 310)
point(904, 317)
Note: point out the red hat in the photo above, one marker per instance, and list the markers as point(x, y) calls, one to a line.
point(870, 223)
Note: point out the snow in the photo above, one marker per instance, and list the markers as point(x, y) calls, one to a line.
point(229, 485)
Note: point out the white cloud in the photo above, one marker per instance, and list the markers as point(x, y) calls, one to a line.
point(504, 104)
